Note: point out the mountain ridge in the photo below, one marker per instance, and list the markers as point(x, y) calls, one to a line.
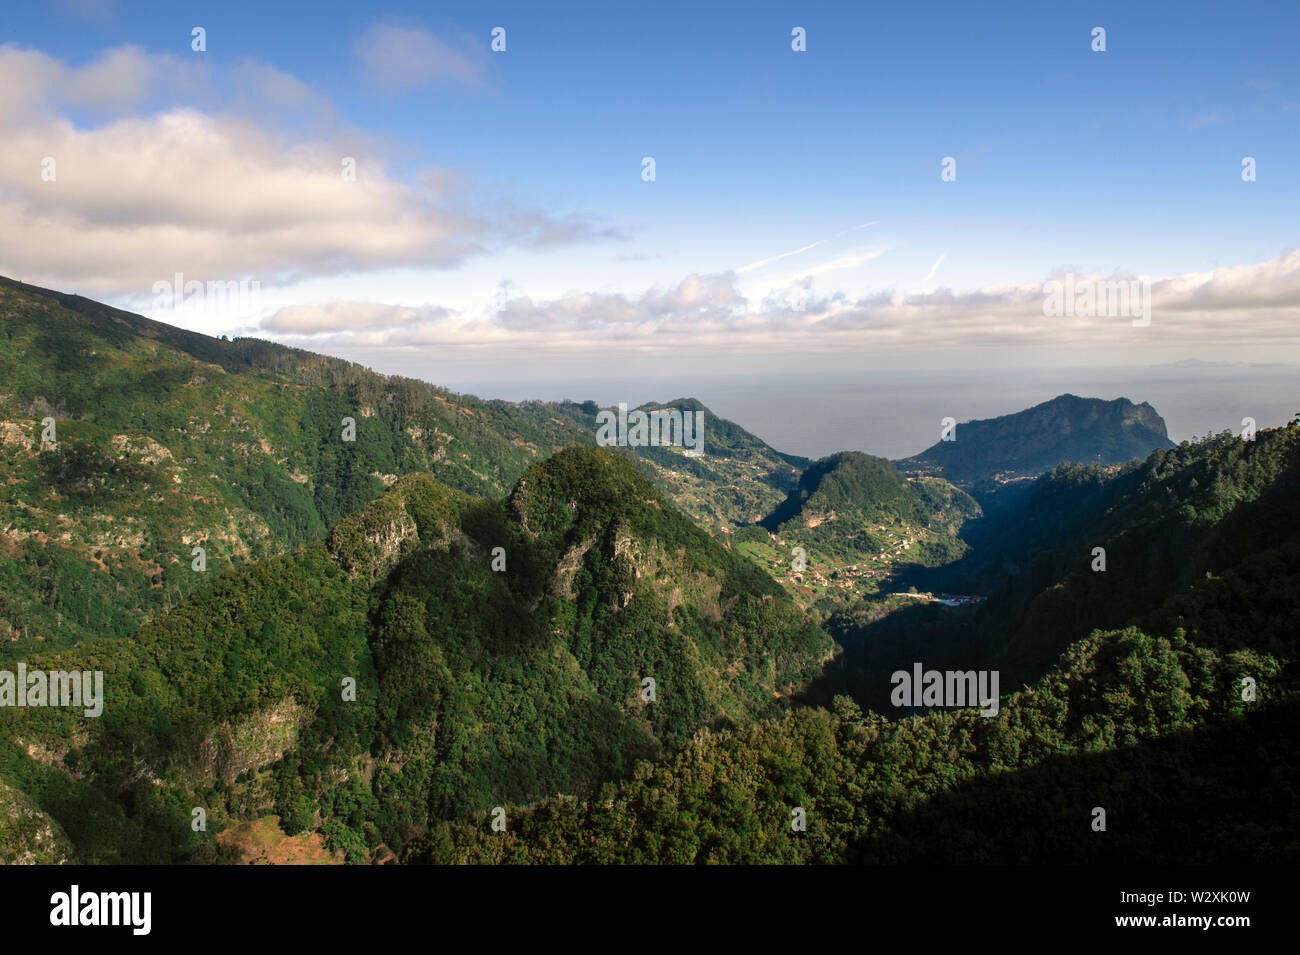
point(1033, 441)
point(166, 440)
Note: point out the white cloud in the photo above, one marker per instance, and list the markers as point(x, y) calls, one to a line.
point(225, 191)
point(349, 316)
point(1264, 285)
point(397, 58)
point(707, 314)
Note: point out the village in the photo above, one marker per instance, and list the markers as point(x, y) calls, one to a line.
point(830, 574)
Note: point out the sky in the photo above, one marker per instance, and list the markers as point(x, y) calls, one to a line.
point(502, 224)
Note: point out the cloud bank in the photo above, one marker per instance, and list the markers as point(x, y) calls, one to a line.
point(142, 183)
point(1258, 302)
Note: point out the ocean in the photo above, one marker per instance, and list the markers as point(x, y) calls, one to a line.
point(898, 413)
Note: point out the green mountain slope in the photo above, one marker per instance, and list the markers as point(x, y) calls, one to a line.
point(1179, 520)
point(501, 617)
point(473, 686)
point(1202, 781)
point(737, 480)
point(166, 440)
point(857, 520)
point(1181, 722)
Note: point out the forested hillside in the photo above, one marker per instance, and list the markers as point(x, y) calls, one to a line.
point(472, 686)
point(856, 521)
point(1180, 518)
point(469, 635)
point(165, 440)
point(1181, 724)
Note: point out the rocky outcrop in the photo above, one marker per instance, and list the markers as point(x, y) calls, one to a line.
point(29, 836)
point(251, 742)
point(416, 511)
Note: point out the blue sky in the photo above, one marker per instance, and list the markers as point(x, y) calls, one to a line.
point(1123, 162)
